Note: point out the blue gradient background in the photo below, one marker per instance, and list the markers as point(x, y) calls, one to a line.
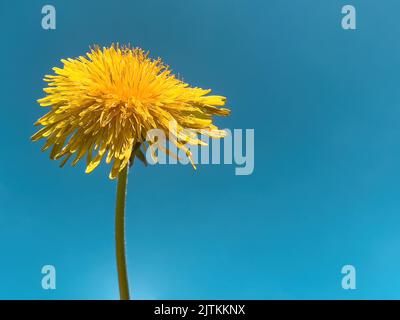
point(325, 106)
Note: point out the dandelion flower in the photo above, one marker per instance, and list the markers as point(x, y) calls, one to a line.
point(103, 104)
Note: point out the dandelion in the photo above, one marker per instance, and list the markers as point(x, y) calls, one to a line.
point(103, 104)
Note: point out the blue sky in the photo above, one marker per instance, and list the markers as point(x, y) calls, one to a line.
point(324, 104)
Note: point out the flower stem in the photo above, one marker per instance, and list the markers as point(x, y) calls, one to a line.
point(120, 234)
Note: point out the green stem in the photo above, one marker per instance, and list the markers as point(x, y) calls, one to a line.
point(120, 234)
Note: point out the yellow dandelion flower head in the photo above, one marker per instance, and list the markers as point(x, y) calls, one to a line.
point(102, 105)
